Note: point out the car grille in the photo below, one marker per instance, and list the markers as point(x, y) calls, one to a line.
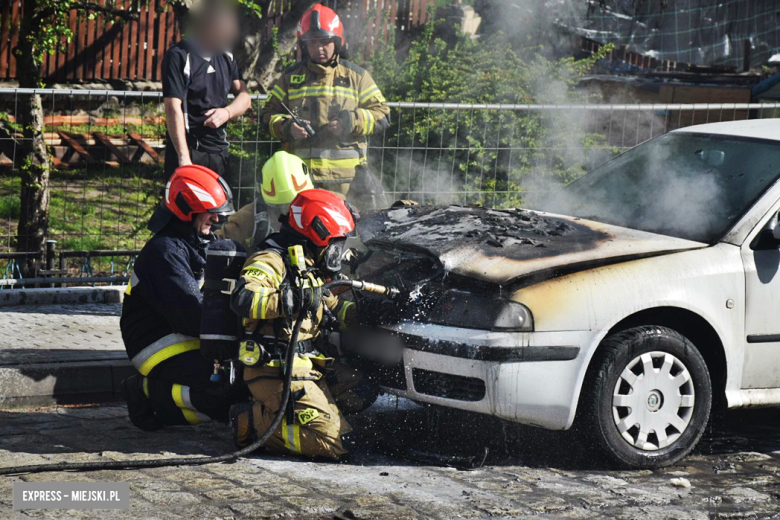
point(449, 386)
point(393, 376)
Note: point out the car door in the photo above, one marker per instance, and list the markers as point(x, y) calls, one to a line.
point(761, 259)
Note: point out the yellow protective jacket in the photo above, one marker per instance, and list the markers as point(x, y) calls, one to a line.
point(252, 224)
point(242, 226)
point(257, 299)
point(320, 94)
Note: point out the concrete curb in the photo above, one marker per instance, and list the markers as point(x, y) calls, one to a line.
point(66, 295)
point(77, 382)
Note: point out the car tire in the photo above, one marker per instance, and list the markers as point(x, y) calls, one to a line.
point(646, 398)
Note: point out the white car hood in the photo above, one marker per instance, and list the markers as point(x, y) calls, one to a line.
point(510, 246)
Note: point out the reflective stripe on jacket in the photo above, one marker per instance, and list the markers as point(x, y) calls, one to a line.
point(321, 94)
point(257, 298)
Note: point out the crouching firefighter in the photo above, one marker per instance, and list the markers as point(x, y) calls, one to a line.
point(282, 280)
point(161, 313)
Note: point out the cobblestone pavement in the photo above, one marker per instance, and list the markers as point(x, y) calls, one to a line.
point(46, 333)
point(734, 473)
point(411, 463)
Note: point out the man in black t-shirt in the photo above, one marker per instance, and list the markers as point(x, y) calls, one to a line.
point(198, 74)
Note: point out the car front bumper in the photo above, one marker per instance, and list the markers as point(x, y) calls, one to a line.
point(531, 377)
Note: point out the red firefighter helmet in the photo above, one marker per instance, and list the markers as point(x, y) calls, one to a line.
point(196, 189)
point(321, 216)
point(321, 22)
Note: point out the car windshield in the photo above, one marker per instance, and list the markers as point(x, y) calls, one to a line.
point(691, 186)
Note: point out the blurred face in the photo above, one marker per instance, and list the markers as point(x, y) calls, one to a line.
point(216, 27)
point(321, 50)
point(203, 222)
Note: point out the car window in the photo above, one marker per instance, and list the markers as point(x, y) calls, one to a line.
point(684, 185)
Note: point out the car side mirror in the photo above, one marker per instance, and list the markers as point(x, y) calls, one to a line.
point(774, 226)
point(769, 237)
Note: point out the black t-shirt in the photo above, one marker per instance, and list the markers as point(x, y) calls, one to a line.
point(202, 84)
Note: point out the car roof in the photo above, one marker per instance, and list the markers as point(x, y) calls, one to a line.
point(754, 128)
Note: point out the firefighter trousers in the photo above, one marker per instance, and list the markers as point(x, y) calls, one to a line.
point(181, 393)
point(313, 426)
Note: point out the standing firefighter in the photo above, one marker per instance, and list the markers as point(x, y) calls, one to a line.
point(198, 74)
point(161, 313)
point(340, 101)
point(276, 285)
point(284, 176)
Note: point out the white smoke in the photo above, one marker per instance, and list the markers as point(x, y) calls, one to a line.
point(662, 191)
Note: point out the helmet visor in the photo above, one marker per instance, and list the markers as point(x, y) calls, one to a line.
point(226, 209)
point(319, 34)
point(222, 220)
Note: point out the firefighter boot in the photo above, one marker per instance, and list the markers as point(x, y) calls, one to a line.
point(242, 424)
point(139, 407)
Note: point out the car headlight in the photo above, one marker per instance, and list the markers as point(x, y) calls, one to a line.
point(478, 311)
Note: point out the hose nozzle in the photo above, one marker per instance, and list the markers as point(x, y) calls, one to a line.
point(388, 291)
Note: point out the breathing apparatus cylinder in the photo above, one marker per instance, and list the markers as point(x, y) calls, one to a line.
point(220, 330)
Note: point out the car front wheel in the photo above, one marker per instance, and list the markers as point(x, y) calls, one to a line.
point(647, 397)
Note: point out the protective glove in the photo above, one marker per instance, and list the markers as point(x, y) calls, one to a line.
point(314, 297)
point(346, 119)
point(298, 299)
point(292, 299)
point(287, 129)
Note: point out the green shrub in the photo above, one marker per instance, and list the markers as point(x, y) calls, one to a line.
point(477, 156)
point(10, 207)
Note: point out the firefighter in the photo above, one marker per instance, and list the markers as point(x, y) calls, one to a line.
point(340, 101)
point(161, 313)
point(284, 176)
point(268, 296)
point(198, 74)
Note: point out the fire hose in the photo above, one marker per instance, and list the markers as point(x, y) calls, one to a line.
point(229, 457)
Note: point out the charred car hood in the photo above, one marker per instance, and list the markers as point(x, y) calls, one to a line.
point(509, 246)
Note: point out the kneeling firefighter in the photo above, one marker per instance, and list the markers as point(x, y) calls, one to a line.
point(161, 313)
point(282, 280)
point(284, 176)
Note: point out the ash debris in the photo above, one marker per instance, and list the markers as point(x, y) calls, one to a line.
point(466, 240)
point(490, 227)
point(516, 225)
point(496, 228)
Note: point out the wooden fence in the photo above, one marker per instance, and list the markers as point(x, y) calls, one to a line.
point(101, 50)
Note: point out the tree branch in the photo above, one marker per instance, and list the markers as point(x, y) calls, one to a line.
point(112, 11)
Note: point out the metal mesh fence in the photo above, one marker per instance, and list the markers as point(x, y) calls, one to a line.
point(107, 150)
point(703, 32)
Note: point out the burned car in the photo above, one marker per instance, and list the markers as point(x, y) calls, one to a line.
point(644, 295)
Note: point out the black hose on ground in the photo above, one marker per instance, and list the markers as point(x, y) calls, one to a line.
point(156, 463)
point(179, 461)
